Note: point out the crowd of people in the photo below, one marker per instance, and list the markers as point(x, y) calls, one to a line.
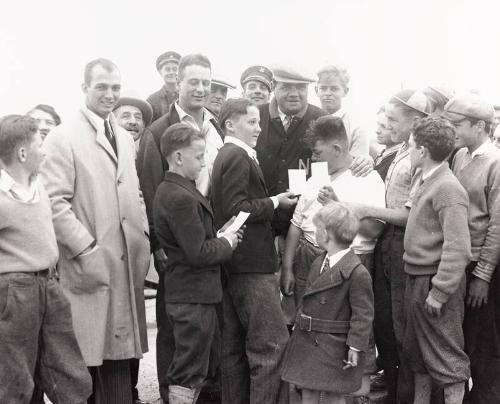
point(383, 273)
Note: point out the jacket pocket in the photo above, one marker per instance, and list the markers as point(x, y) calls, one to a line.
point(90, 272)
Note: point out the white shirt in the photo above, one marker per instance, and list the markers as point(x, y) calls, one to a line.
point(333, 259)
point(486, 146)
point(359, 142)
point(213, 144)
point(252, 154)
point(369, 190)
point(17, 191)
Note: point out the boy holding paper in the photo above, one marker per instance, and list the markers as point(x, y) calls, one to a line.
point(184, 225)
point(254, 333)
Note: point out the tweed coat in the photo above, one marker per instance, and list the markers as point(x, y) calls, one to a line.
point(95, 196)
point(342, 294)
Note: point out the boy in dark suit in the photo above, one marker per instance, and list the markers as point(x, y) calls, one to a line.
point(254, 333)
point(334, 321)
point(184, 224)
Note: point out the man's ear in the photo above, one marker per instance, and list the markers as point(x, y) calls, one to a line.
point(316, 89)
point(21, 154)
point(346, 91)
point(85, 88)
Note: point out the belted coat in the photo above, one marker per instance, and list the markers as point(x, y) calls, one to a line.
point(335, 313)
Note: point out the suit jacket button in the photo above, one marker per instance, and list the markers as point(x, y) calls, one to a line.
point(322, 300)
point(316, 343)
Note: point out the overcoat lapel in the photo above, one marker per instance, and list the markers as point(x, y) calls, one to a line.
point(101, 138)
point(331, 277)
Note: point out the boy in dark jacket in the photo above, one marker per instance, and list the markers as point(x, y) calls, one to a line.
point(325, 354)
point(184, 225)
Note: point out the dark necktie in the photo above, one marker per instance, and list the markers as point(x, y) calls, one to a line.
point(109, 135)
point(326, 265)
point(287, 122)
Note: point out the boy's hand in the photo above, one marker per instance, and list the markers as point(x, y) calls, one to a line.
point(227, 224)
point(287, 199)
point(477, 295)
point(161, 259)
point(361, 166)
point(235, 237)
point(287, 282)
point(352, 359)
point(327, 194)
point(432, 306)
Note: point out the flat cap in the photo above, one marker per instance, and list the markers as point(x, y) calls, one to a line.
point(287, 75)
point(143, 106)
point(169, 56)
point(469, 106)
point(414, 99)
point(258, 73)
point(222, 83)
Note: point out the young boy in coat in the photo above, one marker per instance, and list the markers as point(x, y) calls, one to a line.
point(184, 225)
point(334, 321)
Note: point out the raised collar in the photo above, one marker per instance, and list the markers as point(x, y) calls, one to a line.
point(274, 111)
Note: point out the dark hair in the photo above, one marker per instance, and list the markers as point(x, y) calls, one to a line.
point(49, 110)
point(435, 134)
point(233, 107)
point(405, 95)
point(326, 128)
point(14, 131)
point(192, 59)
point(104, 63)
point(178, 136)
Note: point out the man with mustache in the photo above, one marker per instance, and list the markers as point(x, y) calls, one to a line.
point(257, 84)
point(167, 66)
point(218, 96)
point(133, 115)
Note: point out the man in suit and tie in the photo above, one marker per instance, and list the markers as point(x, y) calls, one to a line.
point(254, 332)
point(184, 223)
point(102, 232)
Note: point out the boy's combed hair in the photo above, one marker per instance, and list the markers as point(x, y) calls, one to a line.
point(339, 220)
point(435, 134)
point(15, 130)
point(326, 128)
point(233, 108)
point(331, 71)
point(178, 136)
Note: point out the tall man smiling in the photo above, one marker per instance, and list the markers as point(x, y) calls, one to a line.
point(101, 229)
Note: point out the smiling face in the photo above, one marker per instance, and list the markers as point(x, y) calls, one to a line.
point(399, 124)
point(103, 91)
point(130, 119)
point(256, 91)
point(246, 127)
point(194, 87)
point(330, 92)
point(44, 120)
point(383, 132)
point(169, 72)
point(291, 97)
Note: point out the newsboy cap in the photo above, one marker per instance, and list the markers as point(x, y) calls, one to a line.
point(143, 106)
point(288, 75)
point(169, 56)
point(469, 106)
point(258, 73)
point(413, 99)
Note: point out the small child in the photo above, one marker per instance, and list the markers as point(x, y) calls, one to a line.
point(325, 355)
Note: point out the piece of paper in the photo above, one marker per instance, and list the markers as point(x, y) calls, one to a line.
point(238, 222)
point(297, 181)
point(320, 176)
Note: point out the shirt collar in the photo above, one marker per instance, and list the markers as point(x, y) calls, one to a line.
point(431, 171)
point(339, 113)
point(335, 258)
point(251, 152)
point(485, 147)
point(207, 116)
point(16, 190)
point(96, 119)
point(391, 149)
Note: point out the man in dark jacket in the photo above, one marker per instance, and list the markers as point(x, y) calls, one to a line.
point(167, 66)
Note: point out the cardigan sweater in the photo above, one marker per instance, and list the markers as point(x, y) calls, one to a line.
point(27, 238)
point(437, 240)
point(480, 176)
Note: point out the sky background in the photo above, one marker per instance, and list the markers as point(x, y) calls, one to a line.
point(384, 44)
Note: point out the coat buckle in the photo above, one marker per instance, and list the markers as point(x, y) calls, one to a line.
point(307, 326)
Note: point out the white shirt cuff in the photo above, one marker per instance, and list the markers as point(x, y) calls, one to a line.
point(275, 201)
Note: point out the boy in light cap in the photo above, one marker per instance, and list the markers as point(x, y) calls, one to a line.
point(477, 167)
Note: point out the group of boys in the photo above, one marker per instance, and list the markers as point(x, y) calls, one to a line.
point(72, 305)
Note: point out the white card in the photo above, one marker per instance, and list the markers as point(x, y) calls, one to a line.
point(238, 222)
point(320, 175)
point(297, 181)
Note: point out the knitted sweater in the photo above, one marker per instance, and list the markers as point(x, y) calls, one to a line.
point(481, 179)
point(437, 240)
point(27, 239)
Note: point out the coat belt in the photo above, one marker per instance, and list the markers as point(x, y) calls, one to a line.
point(308, 323)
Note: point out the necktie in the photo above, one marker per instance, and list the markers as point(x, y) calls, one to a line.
point(287, 122)
point(326, 265)
point(109, 135)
